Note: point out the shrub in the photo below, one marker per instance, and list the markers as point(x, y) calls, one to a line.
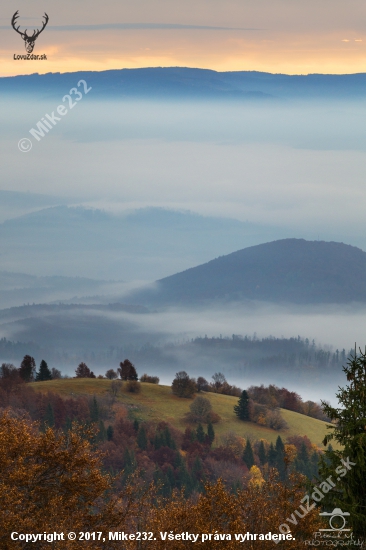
point(56, 374)
point(115, 387)
point(127, 370)
point(133, 386)
point(83, 371)
point(275, 421)
point(183, 385)
point(150, 379)
point(202, 384)
point(218, 381)
point(199, 410)
point(111, 374)
point(213, 417)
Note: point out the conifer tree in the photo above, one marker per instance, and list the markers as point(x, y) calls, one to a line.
point(248, 456)
point(349, 431)
point(27, 368)
point(94, 410)
point(169, 441)
point(197, 473)
point(210, 433)
point(184, 480)
point(280, 458)
point(272, 455)
point(142, 438)
point(44, 372)
point(262, 453)
point(200, 434)
point(242, 408)
point(162, 483)
point(158, 441)
point(110, 433)
point(102, 435)
point(302, 464)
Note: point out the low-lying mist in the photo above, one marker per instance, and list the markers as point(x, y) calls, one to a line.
point(163, 342)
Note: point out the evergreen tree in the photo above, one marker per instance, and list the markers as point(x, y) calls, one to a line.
point(349, 432)
point(210, 433)
point(136, 425)
point(162, 483)
point(158, 441)
point(142, 438)
point(272, 455)
point(168, 440)
point(197, 473)
point(314, 465)
point(102, 434)
point(27, 368)
point(262, 453)
point(200, 434)
point(303, 453)
point(94, 410)
point(302, 463)
point(184, 480)
point(110, 433)
point(248, 456)
point(44, 372)
point(242, 408)
point(280, 458)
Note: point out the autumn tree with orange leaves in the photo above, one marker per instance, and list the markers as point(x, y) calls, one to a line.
point(53, 482)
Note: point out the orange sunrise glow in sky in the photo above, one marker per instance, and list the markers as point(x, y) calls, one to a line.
point(284, 36)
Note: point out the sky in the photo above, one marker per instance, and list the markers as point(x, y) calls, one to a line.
point(293, 166)
point(298, 166)
point(284, 36)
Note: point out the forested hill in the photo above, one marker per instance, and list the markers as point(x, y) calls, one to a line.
point(190, 83)
point(288, 270)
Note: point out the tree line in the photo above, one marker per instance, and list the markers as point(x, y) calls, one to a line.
point(163, 478)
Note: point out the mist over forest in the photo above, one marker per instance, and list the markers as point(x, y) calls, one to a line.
point(168, 170)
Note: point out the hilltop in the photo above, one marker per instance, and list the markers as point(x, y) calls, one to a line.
point(157, 403)
point(287, 270)
point(190, 83)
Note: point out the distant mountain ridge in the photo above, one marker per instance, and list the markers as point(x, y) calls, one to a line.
point(287, 270)
point(190, 83)
point(144, 244)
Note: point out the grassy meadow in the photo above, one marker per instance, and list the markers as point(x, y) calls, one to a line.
point(157, 403)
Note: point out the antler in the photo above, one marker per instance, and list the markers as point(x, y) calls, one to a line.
point(37, 33)
point(24, 35)
point(14, 21)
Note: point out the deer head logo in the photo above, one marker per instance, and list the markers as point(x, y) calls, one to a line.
point(28, 40)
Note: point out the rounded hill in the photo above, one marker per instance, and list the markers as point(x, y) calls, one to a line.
point(288, 270)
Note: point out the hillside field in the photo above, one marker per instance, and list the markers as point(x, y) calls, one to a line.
point(157, 403)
